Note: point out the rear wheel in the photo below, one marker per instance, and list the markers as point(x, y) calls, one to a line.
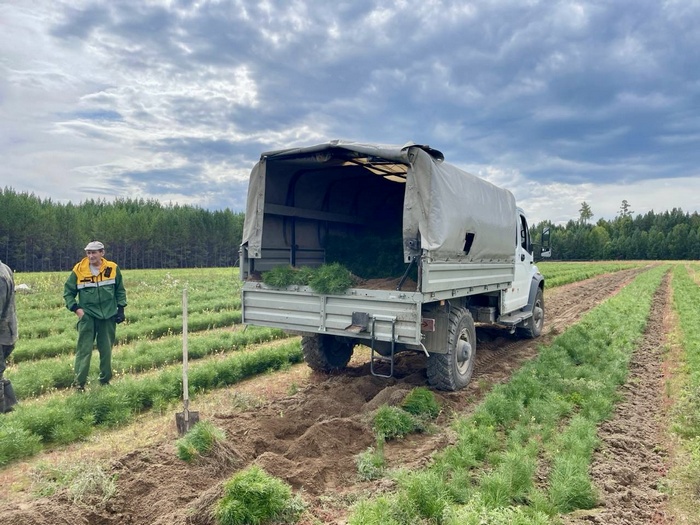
point(326, 353)
point(453, 370)
point(532, 327)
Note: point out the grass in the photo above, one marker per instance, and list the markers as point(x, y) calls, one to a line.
point(413, 415)
point(687, 304)
point(63, 343)
point(283, 276)
point(87, 484)
point(684, 478)
point(421, 402)
point(371, 464)
point(394, 422)
point(17, 443)
point(154, 308)
point(21, 481)
point(331, 279)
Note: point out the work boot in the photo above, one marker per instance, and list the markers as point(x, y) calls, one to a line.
point(7, 396)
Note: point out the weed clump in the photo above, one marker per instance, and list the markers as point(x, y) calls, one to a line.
point(88, 484)
point(371, 463)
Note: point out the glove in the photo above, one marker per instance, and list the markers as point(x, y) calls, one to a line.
point(119, 318)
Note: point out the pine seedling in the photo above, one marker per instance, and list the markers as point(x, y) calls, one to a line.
point(199, 441)
point(331, 279)
point(254, 496)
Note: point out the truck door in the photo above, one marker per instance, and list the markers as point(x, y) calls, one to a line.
point(517, 294)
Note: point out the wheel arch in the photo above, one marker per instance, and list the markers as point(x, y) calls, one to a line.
point(537, 283)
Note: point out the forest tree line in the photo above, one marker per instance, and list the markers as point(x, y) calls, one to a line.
point(669, 235)
point(42, 235)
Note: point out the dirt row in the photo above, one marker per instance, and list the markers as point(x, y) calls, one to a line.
point(310, 438)
point(629, 466)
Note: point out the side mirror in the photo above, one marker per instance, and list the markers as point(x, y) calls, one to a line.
point(546, 248)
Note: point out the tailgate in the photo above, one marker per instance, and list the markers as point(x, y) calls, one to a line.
point(302, 310)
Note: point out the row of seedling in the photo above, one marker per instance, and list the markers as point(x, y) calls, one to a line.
point(35, 378)
point(685, 388)
point(64, 343)
point(524, 455)
point(67, 418)
point(559, 273)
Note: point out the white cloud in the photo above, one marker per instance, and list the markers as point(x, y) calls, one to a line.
point(560, 102)
point(559, 203)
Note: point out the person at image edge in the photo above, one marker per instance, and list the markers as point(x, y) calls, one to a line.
point(95, 291)
point(8, 334)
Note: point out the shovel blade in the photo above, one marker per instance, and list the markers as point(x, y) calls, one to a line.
point(185, 421)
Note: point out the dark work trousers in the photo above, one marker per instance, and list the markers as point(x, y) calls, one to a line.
point(91, 330)
point(7, 395)
point(5, 351)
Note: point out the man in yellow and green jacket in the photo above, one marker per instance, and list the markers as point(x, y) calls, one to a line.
point(95, 291)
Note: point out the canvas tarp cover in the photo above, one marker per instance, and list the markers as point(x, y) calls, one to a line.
point(442, 204)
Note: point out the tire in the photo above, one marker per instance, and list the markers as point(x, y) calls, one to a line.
point(532, 327)
point(326, 353)
point(453, 370)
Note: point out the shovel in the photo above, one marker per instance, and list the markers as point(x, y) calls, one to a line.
point(185, 420)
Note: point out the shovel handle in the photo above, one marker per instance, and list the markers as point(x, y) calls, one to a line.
point(185, 384)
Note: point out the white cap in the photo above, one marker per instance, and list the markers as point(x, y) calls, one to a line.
point(94, 246)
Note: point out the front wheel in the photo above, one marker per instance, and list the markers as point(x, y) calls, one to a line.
point(453, 370)
point(532, 327)
point(326, 353)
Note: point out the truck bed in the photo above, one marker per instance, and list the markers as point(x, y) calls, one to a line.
point(395, 314)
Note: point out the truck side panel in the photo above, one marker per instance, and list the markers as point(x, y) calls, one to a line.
point(464, 276)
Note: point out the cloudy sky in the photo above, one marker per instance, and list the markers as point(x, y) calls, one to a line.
point(559, 101)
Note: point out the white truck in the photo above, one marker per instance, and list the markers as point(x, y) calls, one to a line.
point(456, 246)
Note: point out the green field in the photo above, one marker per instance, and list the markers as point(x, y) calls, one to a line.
point(146, 360)
point(548, 411)
point(147, 356)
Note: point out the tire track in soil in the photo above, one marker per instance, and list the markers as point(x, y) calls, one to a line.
point(310, 439)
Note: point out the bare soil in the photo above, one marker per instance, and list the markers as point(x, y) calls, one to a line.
point(310, 438)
